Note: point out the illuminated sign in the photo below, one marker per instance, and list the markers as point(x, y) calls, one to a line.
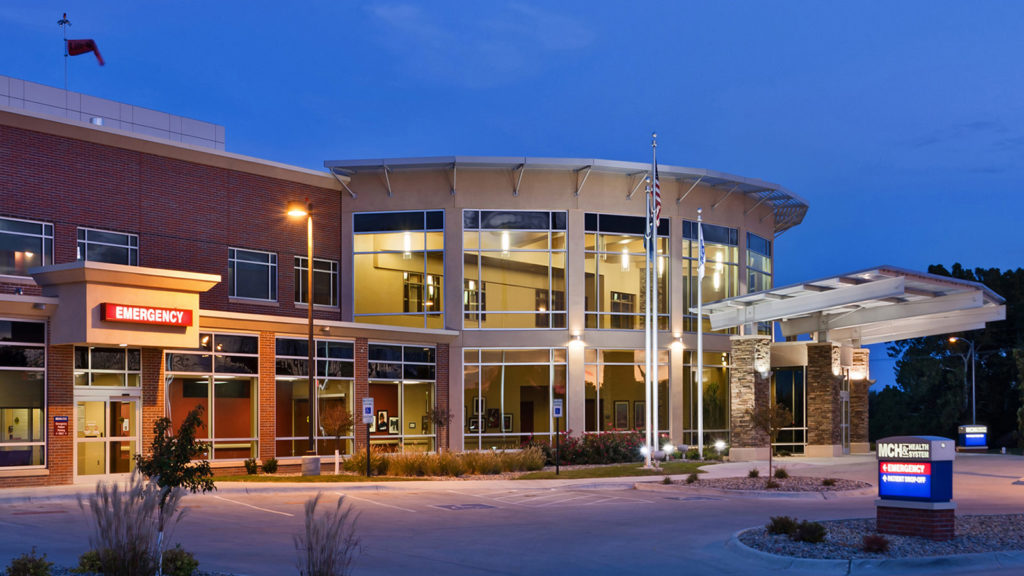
point(146, 315)
point(904, 450)
point(974, 436)
point(905, 480)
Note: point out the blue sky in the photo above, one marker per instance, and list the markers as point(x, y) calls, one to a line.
point(901, 123)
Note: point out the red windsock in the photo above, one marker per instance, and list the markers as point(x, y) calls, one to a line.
point(76, 47)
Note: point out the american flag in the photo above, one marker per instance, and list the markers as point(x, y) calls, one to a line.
point(701, 257)
point(656, 191)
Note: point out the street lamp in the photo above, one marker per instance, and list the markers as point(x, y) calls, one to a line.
point(970, 352)
point(298, 210)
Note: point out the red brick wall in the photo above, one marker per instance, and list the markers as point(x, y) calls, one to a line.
point(186, 214)
point(362, 376)
point(932, 524)
point(267, 397)
point(152, 393)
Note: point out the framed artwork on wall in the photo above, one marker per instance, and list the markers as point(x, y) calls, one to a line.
point(622, 415)
point(382, 421)
point(639, 415)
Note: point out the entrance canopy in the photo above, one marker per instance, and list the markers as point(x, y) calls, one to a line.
point(880, 304)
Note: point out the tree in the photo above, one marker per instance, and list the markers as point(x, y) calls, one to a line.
point(440, 419)
point(930, 372)
point(175, 462)
point(336, 420)
point(770, 418)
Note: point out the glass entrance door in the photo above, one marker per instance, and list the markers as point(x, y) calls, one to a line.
point(107, 435)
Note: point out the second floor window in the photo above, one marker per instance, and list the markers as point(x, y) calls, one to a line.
point(23, 245)
point(325, 281)
point(111, 247)
point(252, 274)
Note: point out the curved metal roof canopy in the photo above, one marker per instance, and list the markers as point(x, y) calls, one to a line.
point(789, 208)
point(880, 304)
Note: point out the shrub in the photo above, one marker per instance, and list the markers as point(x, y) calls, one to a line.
point(482, 462)
point(770, 484)
point(251, 467)
point(666, 480)
point(179, 562)
point(604, 448)
point(753, 473)
point(781, 525)
point(450, 464)
point(89, 563)
point(812, 532)
point(693, 454)
point(29, 565)
point(329, 543)
point(874, 543)
point(828, 482)
point(691, 478)
point(270, 465)
point(781, 473)
point(378, 462)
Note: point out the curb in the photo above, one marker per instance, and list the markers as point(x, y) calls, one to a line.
point(657, 487)
point(980, 562)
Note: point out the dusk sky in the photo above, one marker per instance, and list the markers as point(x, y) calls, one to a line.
point(900, 123)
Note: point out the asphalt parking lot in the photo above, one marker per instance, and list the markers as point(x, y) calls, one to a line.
point(497, 527)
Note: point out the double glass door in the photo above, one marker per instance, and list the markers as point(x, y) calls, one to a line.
point(107, 434)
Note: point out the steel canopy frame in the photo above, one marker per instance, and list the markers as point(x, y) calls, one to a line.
point(866, 307)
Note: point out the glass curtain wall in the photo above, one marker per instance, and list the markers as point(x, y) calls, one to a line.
point(22, 394)
point(398, 266)
point(759, 272)
point(789, 390)
point(721, 269)
point(402, 384)
point(508, 395)
point(335, 378)
point(113, 367)
point(615, 394)
point(514, 269)
point(715, 397)
point(615, 268)
point(221, 376)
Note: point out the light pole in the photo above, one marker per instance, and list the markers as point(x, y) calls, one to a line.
point(974, 369)
point(298, 210)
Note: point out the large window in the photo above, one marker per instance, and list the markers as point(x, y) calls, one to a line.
point(715, 397)
point(334, 423)
point(508, 395)
point(616, 399)
point(514, 269)
point(721, 269)
point(789, 390)
point(120, 367)
point(398, 266)
point(22, 393)
point(759, 271)
point(24, 245)
point(112, 247)
point(402, 382)
point(252, 274)
point(616, 272)
point(221, 376)
point(325, 281)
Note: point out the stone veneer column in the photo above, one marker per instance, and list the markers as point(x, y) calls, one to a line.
point(267, 408)
point(824, 436)
point(859, 442)
point(748, 389)
point(362, 384)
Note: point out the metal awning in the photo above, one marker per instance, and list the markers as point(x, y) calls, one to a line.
point(880, 304)
point(789, 209)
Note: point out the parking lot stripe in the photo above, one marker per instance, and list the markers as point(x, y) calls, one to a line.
point(377, 503)
point(254, 507)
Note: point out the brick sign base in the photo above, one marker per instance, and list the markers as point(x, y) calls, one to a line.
point(927, 523)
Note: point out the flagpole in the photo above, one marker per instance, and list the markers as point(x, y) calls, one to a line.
point(647, 325)
point(64, 23)
point(700, 336)
point(654, 293)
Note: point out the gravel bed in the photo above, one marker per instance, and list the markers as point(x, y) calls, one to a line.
point(791, 484)
point(974, 534)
